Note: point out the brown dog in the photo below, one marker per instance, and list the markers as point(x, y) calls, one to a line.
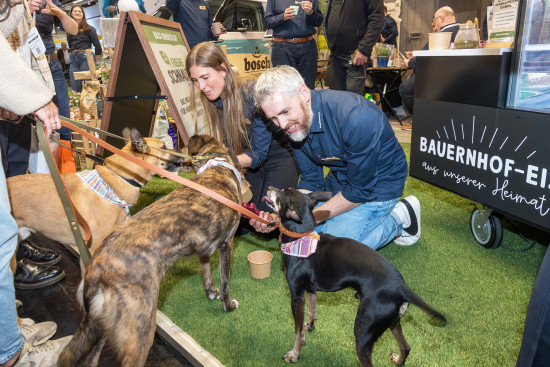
point(121, 286)
point(36, 204)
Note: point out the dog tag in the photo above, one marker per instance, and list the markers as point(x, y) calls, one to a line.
point(34, 41)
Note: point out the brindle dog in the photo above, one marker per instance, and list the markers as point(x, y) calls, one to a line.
point(121, 286)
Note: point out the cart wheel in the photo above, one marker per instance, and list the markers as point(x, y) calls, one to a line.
point(489, 233)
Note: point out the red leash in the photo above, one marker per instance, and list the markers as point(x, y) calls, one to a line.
point(162, 172)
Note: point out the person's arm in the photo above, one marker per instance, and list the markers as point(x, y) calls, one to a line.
point(337, 205)
point(375, 23)
point(274, 18)
point(173, 5)
point(69, 24)
point(260, 144)
point(96, 43)
point(392, 28)
point(313, 13)
point(22, 92)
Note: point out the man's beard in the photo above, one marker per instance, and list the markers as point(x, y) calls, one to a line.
point(304, 125)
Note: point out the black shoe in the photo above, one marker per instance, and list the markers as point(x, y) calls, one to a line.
point(39, 255)
point(30, 275)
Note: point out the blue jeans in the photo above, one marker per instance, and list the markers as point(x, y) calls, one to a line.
point(61, 98)
point(372, 224)
point(301, 56)
point(79, 62)
point(11, 340)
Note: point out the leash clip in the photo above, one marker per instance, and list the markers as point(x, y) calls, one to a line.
point(271, 224)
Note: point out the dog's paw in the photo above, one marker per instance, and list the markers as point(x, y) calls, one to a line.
point(213, 293)
point(233, 305)
point(291, 357)
point(396, 359)
point(309, 326)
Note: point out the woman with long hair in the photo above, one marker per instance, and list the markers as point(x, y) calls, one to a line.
point(79, 43)
point(230, 116)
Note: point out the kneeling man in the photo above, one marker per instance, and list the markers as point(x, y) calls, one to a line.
point(350, 135)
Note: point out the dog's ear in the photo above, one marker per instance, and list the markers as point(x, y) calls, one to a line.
point(319, 196)
point(294, 213)
point(138, 143)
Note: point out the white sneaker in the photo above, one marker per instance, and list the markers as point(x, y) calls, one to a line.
point(44, 355)
point(408, 210)
point(37, 334)
point(26, 322)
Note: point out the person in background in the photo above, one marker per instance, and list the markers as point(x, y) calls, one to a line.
point(389, 32)
point(64, 58)
point(261, 147)
point(79, 43)
point(350, 135)
point(293, 43)
point(21, 92)
point(195, 19)
point(443, 21)
point(352, 28)
point(44, 20)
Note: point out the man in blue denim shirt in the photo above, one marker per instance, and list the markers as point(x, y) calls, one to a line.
point(351, 136)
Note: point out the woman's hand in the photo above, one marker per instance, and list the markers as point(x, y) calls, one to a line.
point(49, 115)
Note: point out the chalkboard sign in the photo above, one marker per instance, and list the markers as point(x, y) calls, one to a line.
point(495, 156)
point(148, 63)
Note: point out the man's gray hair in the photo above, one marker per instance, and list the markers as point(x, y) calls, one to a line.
point(282, 79)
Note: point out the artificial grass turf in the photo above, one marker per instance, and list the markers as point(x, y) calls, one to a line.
point(483, 293)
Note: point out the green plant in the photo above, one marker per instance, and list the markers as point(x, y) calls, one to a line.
point(383, 50)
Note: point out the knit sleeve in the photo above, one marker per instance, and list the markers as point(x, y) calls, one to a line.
point(21, 90)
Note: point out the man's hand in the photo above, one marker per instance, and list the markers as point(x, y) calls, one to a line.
point(289, 14)
point(307, 6)
point(49, 115)
point(409, 55)
point(360, 59)
point(262, 227)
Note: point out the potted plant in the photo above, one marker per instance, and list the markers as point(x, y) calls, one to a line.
point(383, 53)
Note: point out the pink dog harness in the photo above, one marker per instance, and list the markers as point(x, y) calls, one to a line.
point(302, 247)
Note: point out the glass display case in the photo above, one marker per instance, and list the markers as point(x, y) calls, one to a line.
point(530, 84)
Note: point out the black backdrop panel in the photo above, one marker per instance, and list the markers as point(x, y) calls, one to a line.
point(497, 157)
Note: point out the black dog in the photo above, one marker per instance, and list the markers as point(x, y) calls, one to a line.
point(339, 263)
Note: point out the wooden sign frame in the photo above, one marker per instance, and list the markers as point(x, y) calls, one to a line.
point(139, 76)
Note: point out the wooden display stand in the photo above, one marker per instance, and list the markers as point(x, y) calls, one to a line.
point(148, 65)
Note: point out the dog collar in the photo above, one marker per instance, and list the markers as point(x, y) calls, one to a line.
point(220, 162)
point(101, 187)
point(302, 247)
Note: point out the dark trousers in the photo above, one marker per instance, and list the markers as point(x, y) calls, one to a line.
point(406, 91)
point(281, 173)
point(15, 142)
point(535, 347)
point(342, 75)
point(301, 56)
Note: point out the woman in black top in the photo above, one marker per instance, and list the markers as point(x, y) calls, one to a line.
point(78, 44)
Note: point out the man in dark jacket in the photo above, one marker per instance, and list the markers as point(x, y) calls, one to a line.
point(352, 28)
point(389, 32)
point(443, 21)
